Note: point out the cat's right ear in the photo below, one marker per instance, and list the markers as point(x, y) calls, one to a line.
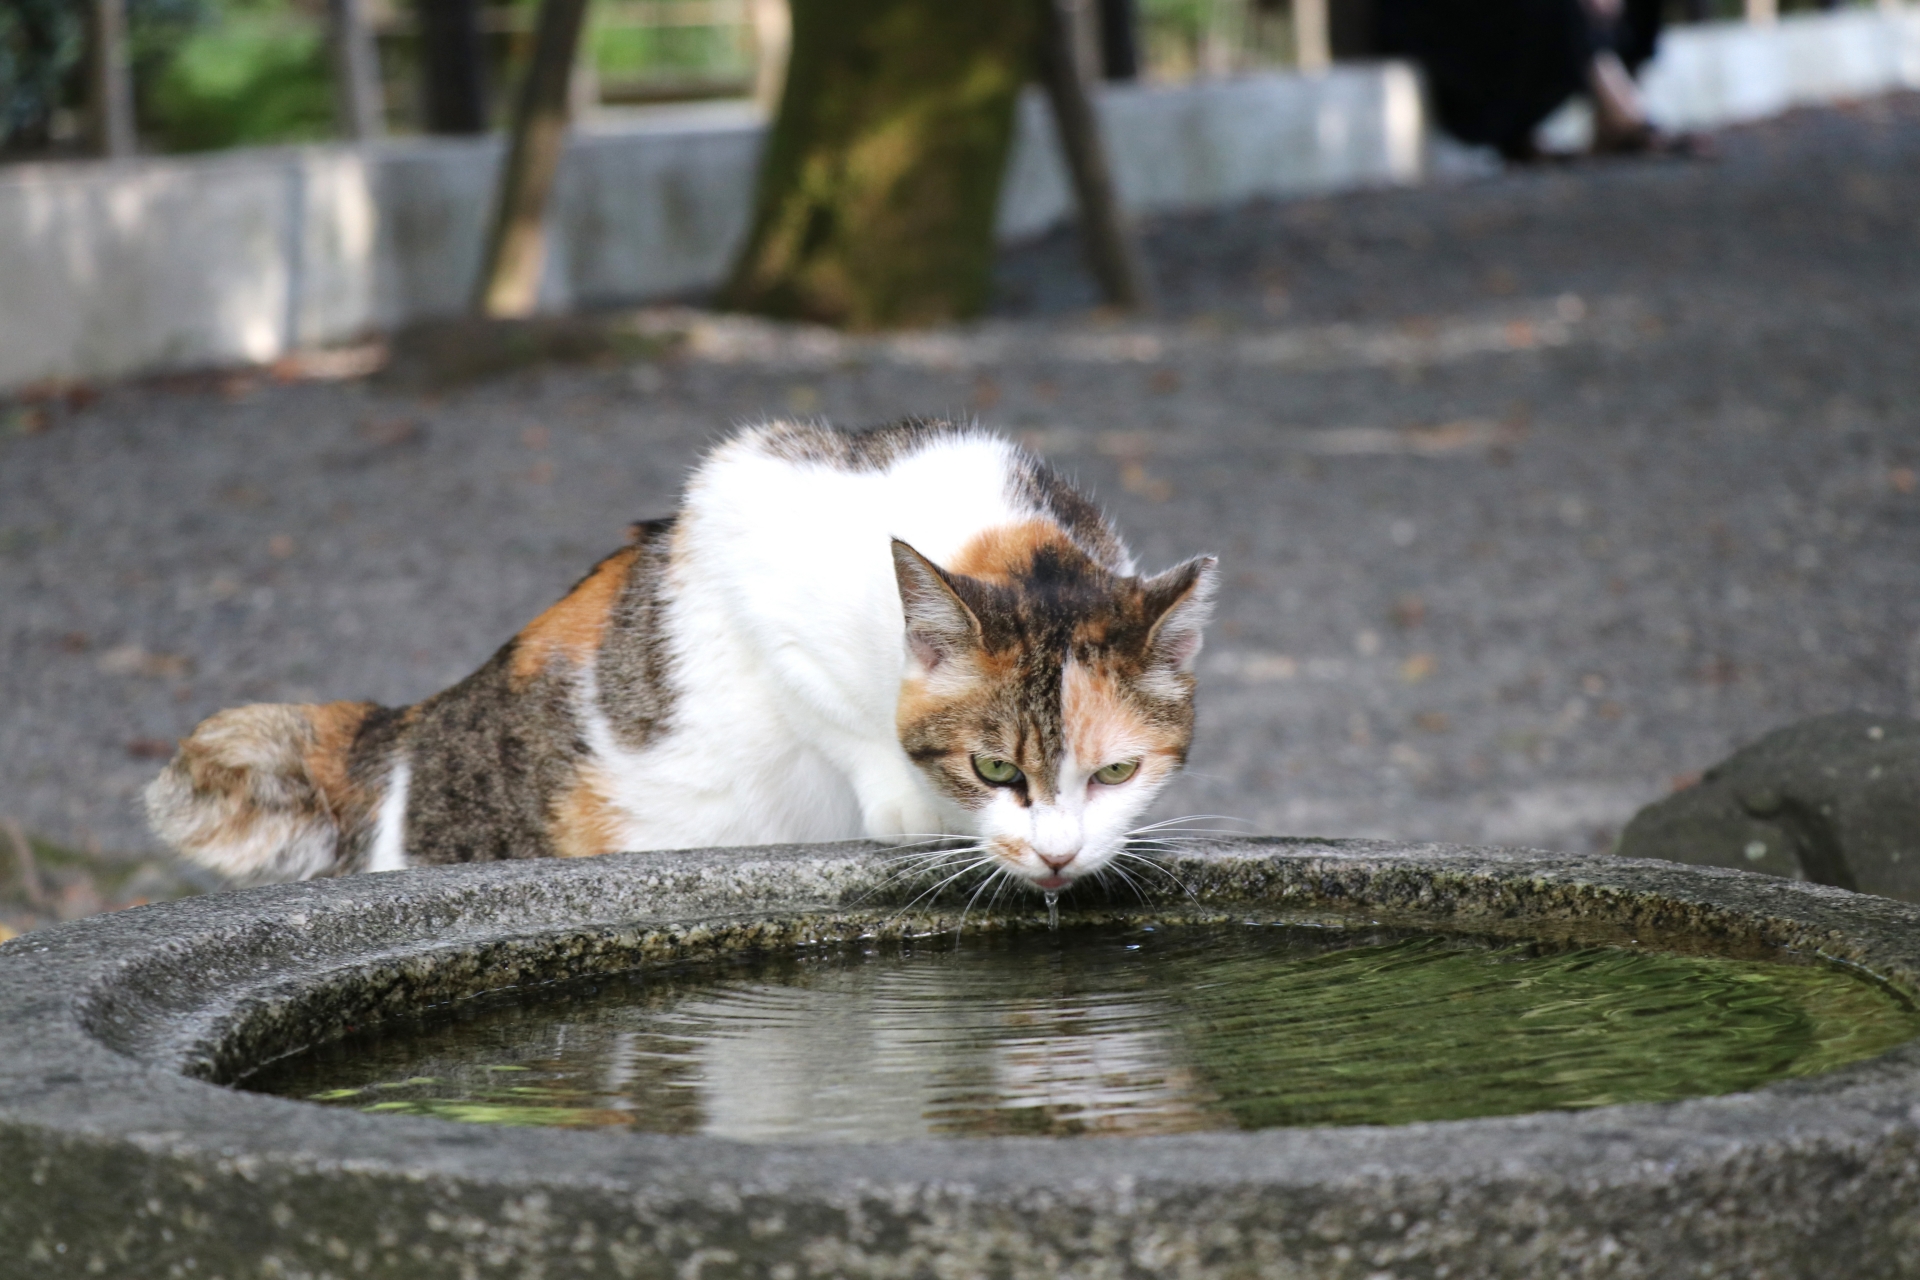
point(940, 627)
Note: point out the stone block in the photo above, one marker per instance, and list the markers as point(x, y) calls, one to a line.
point(1834, 799)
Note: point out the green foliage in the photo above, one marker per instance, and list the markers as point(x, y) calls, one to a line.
point(258, 75)
point(628, 54)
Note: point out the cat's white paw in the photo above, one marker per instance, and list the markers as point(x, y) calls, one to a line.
point(893, 816)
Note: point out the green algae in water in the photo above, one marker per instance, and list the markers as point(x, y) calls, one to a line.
point(1111, 1030)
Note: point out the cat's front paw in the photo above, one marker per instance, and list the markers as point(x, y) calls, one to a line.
point(896, 816)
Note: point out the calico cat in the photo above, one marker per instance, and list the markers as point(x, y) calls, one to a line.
point(913, 630)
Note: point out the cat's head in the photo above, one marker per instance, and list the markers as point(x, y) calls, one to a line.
point(1049, 698)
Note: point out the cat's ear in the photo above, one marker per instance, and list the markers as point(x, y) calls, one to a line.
point(1180, 601)
point(940, 627)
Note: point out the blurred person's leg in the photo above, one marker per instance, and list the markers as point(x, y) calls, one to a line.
point(1495, 68)
point(1624, 35)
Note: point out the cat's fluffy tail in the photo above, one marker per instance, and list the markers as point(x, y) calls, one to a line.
point(265, 792)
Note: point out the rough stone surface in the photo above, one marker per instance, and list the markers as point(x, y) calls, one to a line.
point(1835, 799)
point(118, 1156)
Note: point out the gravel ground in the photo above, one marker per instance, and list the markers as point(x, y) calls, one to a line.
point(1534, 494)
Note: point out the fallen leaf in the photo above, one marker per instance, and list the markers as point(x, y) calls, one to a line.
point(132, 660)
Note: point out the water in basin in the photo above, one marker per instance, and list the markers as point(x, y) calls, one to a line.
point(1110, 1029)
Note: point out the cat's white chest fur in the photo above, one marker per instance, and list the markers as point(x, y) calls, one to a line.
point(786, 636)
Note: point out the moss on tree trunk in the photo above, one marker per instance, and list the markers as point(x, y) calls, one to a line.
point(878, 189)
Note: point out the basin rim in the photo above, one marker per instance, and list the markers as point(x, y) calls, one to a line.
point(63, 998)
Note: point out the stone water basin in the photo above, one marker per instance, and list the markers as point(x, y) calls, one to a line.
point(1332, 1059)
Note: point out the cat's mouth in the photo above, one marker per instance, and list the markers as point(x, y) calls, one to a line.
point(1048, 876)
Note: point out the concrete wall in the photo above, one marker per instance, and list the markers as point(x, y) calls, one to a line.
point(1722, 73)
point(109, 269)
point(112, 268)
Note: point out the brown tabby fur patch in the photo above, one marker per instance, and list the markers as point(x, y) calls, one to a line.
point(573, 627)
point(335, 724)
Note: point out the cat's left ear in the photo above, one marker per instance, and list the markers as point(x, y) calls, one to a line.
point(1180, 600)
point(940, 626)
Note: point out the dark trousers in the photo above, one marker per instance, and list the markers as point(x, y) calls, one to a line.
point(1497, 68)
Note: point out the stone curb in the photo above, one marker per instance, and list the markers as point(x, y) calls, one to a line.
point(119, 1155)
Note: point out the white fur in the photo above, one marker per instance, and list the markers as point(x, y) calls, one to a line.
point(389, 848)
point(788, 647)
point(1085, 824)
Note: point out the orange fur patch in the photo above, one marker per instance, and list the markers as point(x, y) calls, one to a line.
point(334, 726)
point(585, 823)
point(1101, 725)
point(573, 627)
point(1006, 551)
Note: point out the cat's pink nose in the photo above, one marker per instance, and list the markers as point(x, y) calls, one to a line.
point(1055, 861)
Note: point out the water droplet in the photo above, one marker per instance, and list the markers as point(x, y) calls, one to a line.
point(1053, 912)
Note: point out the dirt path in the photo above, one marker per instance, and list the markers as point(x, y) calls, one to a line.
point(1533, 494)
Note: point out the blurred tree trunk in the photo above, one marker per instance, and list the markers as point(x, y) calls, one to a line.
point(356, 71)
point(881, 178)
point(509, 283)
point(110, 80)
point(1106, 236)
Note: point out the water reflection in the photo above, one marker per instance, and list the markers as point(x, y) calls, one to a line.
point(1111, 1031)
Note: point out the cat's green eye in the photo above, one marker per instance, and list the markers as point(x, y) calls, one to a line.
point(1115, 774)
point(995, 770)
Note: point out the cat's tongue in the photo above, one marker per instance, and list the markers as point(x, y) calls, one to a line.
point(1052, 884)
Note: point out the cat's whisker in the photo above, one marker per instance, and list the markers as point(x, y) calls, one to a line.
point(933, 889)
point(998, 889)
point(992, 876)
point(1149, 862)
point(1191, 817)
point(913, 839)
point(966, 867)
point(1179, 837)
point(907, 864)
point(917, 857)
point(1133, 884)
point(1190, 831)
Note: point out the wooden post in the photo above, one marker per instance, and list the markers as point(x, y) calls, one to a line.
point(1083, 37)
point(1763, 13)
point(1120, 39)
point(1312, 38)
point(110, 80)
point(1105, 235)
point(455, 80)
point(772, 46)
point(357, 97)
point(509, 283)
